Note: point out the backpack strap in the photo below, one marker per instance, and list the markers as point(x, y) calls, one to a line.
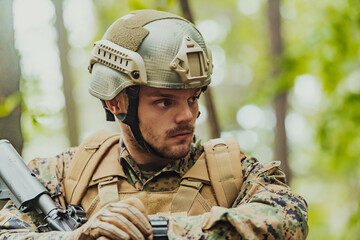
point(223, 158)
point(86, 159)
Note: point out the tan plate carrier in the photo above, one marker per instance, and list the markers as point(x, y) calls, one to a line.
point(95, 178)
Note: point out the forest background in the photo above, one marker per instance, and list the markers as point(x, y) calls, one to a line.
point(286, 83)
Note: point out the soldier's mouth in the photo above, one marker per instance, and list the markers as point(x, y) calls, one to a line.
point(182, 135)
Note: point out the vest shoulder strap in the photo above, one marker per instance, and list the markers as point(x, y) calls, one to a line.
point(190, 186)
point(220, 166)
point(85, 161)
point(223, 158)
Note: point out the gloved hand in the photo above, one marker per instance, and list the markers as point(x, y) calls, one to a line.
point(126, 219)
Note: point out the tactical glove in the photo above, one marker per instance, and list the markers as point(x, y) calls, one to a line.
point(126, 219)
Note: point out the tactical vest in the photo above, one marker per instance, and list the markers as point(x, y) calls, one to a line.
point(95, 177)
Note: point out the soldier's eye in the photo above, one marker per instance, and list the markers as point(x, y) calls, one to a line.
point(193, 99)
point(163, 103)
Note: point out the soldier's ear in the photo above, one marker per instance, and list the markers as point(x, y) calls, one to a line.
point(112, 105)
point(118, 104)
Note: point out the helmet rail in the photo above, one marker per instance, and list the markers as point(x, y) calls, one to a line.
point(120, 59)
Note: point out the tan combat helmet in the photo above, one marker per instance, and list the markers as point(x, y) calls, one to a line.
point(151, 48)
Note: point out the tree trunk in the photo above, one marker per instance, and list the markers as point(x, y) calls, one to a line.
point(214, 127)
point(10, 127)
point(71, 114)
point(280, 100)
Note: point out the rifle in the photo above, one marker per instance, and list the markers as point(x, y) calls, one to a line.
point(20, 185)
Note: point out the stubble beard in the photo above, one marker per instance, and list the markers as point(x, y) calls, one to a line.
point(175, 151)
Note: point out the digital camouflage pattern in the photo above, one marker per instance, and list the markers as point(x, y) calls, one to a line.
point(265, 208)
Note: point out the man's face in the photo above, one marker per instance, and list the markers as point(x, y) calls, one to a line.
point(167, 119)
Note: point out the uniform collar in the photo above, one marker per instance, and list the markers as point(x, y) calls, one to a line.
point(179, 166)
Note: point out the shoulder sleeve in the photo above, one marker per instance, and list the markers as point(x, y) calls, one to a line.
point(265, 208)
point(50, 172)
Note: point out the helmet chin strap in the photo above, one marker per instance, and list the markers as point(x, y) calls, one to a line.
point(131, 118)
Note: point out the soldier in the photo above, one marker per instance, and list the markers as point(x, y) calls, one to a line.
point(149, 71)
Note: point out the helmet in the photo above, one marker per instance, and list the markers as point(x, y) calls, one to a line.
point(150, 48)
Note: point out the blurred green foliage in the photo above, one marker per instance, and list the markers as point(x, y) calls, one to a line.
point(7, 105)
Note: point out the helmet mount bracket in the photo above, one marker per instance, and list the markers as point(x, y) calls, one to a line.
point(190, 62)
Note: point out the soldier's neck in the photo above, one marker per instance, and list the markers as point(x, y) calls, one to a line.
point(141, 156)
point(138, 153)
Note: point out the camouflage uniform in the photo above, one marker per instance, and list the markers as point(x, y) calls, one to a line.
point(265, 207)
